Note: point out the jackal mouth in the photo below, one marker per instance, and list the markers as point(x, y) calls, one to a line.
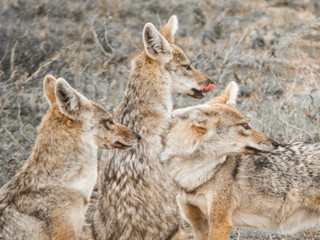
point(197, 93)
point(120, 145)
point(255, 150)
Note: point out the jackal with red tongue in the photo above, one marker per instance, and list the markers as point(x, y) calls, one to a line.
point(136, 196)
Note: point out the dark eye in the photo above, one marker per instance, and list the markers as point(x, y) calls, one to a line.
point(188, 67)
point(245, 126)
point(108, 124)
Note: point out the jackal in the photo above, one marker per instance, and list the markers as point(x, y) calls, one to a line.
point(136, 198)
point(218, 187)
point(48, 197)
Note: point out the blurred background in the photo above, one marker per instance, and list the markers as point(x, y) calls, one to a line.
point(271, 48)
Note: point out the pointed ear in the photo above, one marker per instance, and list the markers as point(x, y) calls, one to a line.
point(170, 29)
point(49, 83)
point(227, 96)
point(71, 103)
point(195, 114)
point(156, 46)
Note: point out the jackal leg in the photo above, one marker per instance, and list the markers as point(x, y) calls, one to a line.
point(67, 223)
point(220, 221)
point(196, 218)
point(220, 232)
point(181, 234)
point(63, 230)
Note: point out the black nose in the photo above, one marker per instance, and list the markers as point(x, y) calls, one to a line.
point(275, 144)
point(139, 138)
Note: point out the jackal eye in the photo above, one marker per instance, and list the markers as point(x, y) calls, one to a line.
point(108, 123)
point(188, 67)
point(245, 126)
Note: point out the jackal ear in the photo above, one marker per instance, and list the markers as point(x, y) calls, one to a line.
point(71, 103)
point(156, 46)
point(49, 83)
point(195, 114)
point(170, 29)
point(227, 96)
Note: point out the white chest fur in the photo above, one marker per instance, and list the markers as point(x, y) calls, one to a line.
point(85, 178)
point(191, 174)
point(85, 181)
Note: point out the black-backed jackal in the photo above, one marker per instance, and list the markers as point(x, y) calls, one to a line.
point(220, 188)
point(136, 197)
point(48, 197)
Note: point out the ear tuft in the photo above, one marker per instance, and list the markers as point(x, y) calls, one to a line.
point(156, 46)
point(170, 29)
point(49, 83)
point(233, 90)
point(227, 96)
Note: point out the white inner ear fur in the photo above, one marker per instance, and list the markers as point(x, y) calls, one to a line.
point(174, 25)
point(155, 44)
point(198, 123)
point(233, 93)
point(69, 100)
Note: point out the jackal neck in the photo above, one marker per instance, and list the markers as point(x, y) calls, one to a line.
point(61, 153)
point(188, 160)
point(147, 102)
point(190, 174)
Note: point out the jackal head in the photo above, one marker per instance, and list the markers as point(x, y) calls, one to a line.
point(93, 118)
point(159, 46)
point(215, 128)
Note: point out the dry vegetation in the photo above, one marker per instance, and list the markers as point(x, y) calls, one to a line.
point(270, 47)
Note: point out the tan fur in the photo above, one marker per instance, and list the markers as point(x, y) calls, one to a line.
point(169, 30)
point(197, 161)
point(48, 197)
point(48, 87)
point(136, 198)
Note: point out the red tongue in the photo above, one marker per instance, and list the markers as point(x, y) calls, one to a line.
point(209, 88)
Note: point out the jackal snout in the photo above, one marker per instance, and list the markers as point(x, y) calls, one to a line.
point(124, 137)
point(203, 82)
point(111, 134)
point(202, 79)
point(260, 143)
